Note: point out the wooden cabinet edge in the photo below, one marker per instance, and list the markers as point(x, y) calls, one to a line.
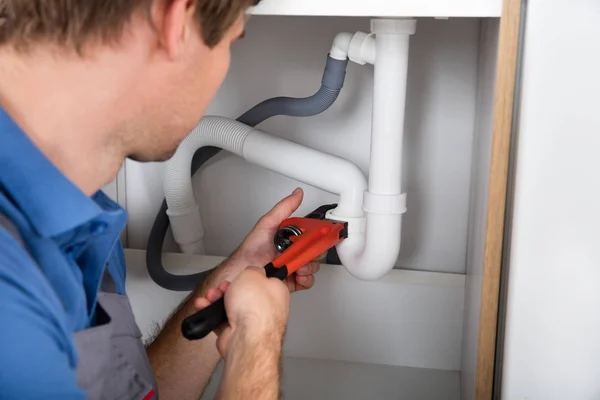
point(499, 167)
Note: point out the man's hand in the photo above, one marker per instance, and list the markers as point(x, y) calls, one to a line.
point(256, 306)
point(251, 341)
point(258, 249)
point(170, 354)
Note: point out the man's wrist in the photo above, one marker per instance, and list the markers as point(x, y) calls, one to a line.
point(257, 336)
point(259, 325)
point(252, 364)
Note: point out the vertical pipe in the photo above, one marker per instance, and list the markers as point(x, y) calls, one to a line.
point(389, 99)
point(371, 251)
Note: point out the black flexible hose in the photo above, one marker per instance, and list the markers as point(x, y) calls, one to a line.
point(331, 85)
point(156, 240)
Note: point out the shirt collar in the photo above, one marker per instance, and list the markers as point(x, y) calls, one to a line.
point(51, 203)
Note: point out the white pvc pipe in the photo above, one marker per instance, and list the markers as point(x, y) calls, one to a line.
point(322, 170)
point(304, 164)
point(371, 253)
point(340, 46)
point(362, 48)
point(358, 47)
point(374, 239)
point(183, 211)
point(389, 103)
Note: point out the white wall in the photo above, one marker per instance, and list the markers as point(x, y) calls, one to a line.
point(285, 56)
point(482, 150)
point(110, 189)
point(552, 348)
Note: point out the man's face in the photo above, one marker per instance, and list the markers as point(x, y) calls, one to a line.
point(178, 94)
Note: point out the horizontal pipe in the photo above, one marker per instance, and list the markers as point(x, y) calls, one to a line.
point(298, 162)
point(324, 171)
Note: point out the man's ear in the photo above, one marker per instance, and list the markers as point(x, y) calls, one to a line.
point(174, 29)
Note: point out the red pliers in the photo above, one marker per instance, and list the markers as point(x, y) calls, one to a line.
point(299, 240)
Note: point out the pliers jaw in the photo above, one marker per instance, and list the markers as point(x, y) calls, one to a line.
point(301, 240)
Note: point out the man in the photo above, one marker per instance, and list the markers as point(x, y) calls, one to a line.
point(83, 85)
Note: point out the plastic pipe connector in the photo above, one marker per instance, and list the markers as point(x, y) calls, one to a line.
point(358, 47)
point(324, 171)
point(362, 48)
point(340, 46)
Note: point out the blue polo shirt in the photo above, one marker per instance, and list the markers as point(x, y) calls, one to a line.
point(49, 291)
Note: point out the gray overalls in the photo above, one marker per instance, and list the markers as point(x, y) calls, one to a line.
point(113, 364)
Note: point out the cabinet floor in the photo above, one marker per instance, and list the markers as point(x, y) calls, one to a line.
point(309, 378)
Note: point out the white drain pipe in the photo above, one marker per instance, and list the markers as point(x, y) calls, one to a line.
point(310, 166)
point(183, 211)
point(371, 250)
point(374, 239)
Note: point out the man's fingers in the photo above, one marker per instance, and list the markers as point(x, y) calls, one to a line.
point(224, 285)
point(283, 209)
point(201, 303)
point(309, 269)
point(304, 278)
point(304, 282)
point(219, 329)
point(214, 294)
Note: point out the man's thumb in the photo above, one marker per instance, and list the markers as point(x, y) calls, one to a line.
point(284, 208)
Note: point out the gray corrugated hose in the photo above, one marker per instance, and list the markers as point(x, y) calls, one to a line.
point(331, 85)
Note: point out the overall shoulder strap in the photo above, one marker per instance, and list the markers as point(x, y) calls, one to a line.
point(9, 226)
point(12, 230)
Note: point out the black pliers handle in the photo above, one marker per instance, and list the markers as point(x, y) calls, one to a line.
point(300, 240)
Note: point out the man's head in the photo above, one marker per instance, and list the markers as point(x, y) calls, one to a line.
point(160, 62)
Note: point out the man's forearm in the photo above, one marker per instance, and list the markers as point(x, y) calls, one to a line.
point(252, 366)
point(183, 368)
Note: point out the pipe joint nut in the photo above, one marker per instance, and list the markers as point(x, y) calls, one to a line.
point(362, 48)
point(356, 225)
point(384, 204)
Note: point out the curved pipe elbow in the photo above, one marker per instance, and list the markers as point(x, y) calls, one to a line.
point(372, 247)
point(211, 131)
point(359, 47)
point(341, 46)
point(183, 211)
